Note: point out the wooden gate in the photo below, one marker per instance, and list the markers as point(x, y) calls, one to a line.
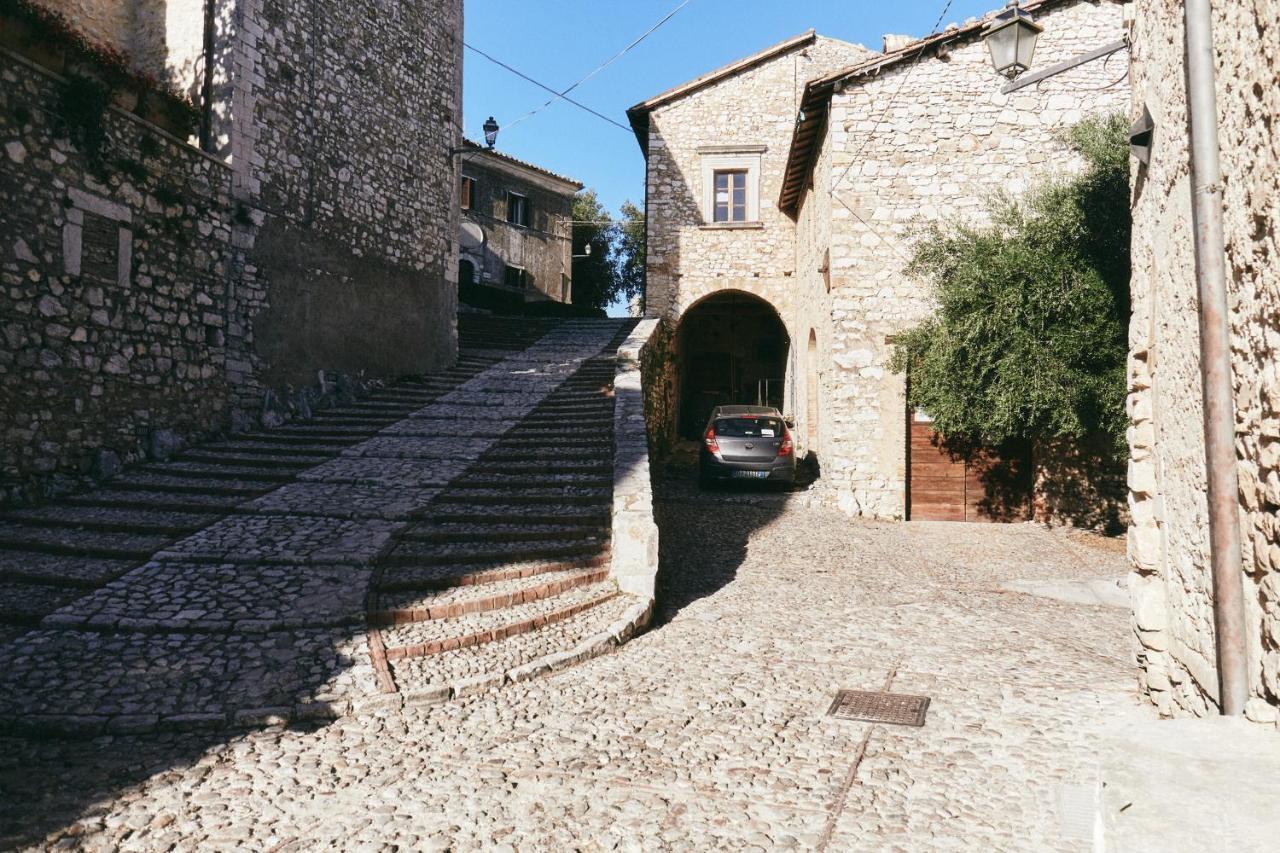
point(949, 484)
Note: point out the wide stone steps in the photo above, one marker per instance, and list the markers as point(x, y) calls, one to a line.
point(426, 553)
point(503, 480)
point(272, 461)
point(113, 519)
point(397, 608)
point(284, 447)
point(545, 512)
point(550, 467)
point(433, 636)
point(548, 453)
point(480, 495)
point(60, 569)
point(158, 481)
point(70, 542)
point(446, 575)
point(215, 471)
point(491, 532)
point(513, 658)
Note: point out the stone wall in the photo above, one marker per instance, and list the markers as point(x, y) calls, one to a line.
point(115, 300)
point(751, 113)
point(919, 143)
point(322, 237)
point(1168, 538)
point(543, 248)
point(344, 114)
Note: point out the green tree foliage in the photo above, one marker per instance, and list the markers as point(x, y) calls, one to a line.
point(614, 268)
point(631, 252)
point(1029, 339)
point(594, 274)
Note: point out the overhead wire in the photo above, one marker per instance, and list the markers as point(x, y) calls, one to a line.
point(602, 66)
point(541, 85)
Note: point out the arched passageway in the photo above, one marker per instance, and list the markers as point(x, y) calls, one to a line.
point(733, 350)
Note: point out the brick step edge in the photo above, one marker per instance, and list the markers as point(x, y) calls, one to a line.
point(380, 583)
point(479, 638)
point(386, 617)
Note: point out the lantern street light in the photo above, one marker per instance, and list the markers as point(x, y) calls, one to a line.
point(1011, 38)
point(490, 132)
point(490, 129)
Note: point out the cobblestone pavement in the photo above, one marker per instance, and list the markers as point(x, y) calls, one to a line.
point(709, 731)
point(421, 542)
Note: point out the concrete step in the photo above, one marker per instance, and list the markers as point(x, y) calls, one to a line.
point(431, 637)
point(397, 608)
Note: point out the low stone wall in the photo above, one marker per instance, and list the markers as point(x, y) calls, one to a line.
point(635, 533)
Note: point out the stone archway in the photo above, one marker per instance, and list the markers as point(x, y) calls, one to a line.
point(811, 393)
point(732, 349)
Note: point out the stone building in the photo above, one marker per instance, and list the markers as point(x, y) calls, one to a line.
point(1171, 584)
point(783, 192)
point(515, 237)
point(160, 287)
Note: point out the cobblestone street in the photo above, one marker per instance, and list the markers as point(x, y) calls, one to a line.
point(708, 731)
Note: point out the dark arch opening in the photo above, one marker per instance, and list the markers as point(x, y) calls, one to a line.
point(733, 350)
point(466, 273)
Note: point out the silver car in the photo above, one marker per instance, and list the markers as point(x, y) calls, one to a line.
point(746, 443)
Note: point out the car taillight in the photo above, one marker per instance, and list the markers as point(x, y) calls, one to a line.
point(710, 439)
point(786, 448)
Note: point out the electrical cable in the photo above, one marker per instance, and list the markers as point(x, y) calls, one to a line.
point(602, 66)
point(524, 76)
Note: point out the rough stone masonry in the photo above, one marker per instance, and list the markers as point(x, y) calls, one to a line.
point(1168, 539)
point(157, 289)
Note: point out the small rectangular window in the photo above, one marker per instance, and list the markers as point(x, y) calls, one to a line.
point(731, 195)
point(468, 192)
point(516, 277)
point(517, 209)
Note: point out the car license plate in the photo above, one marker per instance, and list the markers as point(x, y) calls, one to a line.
point(752, 475)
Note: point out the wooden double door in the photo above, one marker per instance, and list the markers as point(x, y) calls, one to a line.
point(953, 483)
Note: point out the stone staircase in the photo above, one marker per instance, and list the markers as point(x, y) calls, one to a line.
point(444, 534)
point(507, 572)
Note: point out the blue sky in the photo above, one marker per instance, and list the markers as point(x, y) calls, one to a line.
point(559, 41)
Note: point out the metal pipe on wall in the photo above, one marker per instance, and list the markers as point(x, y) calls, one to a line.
point(1215, 362)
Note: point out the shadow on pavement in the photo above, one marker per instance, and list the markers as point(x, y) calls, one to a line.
point(704, 533)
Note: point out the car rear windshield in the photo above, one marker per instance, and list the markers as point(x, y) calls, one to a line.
point(749, 427)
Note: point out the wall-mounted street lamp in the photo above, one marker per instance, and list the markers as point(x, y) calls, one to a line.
point(1011, 39)
point(490, 132)
point(490, 129)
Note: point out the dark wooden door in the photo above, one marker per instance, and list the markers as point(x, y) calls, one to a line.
point(948, 484)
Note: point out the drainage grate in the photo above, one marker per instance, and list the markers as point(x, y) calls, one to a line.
point(896, 708)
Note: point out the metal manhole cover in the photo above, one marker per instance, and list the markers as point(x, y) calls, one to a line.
point(896, 708)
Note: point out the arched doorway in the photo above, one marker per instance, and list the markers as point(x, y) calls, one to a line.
point(466, 273)
point(733, 350)
point(811, 393)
